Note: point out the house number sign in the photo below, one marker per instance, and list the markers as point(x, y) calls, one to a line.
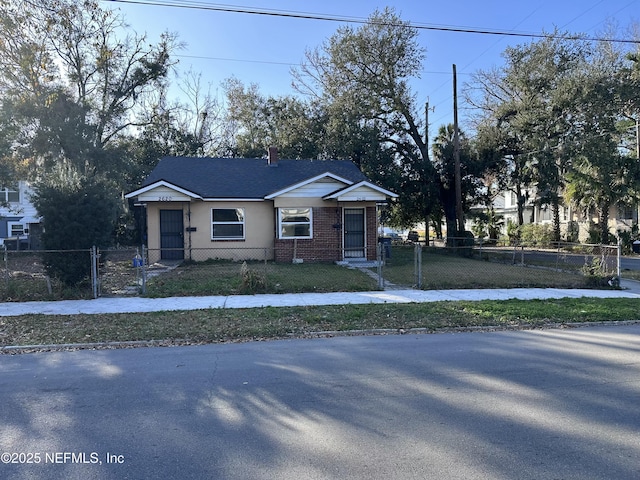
point(165, 198)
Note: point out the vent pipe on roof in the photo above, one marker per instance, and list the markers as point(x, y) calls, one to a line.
point(272, 159)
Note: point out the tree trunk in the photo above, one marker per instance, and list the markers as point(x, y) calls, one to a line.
point(426, 230)
point(452, 224)
point(520, 202)
point(604, 220)
point(436, 220)
point(556, 219)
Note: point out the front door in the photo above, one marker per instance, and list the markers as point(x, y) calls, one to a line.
point(354, 233)
point(171, 235)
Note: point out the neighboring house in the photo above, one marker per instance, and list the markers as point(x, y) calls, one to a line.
point(19, 222)
point(241, 208)
point(574, 224)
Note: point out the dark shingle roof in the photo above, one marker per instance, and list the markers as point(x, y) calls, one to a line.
point(244, 177)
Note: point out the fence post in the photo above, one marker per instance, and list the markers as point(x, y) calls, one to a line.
point(380, 254)
point(6, 265)
point(417, 264)
point(94, 271)
point(143, 287)
point(619, 255)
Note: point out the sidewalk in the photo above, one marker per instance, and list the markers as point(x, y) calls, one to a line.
point(631, 289)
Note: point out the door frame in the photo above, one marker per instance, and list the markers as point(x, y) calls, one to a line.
point(355, 254)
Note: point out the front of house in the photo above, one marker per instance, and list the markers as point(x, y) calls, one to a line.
point(20, 225)
point(575, 224)
point(257, 209)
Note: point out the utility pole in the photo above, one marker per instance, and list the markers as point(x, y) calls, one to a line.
point(426, 148)
point(456, 156)
point(426, 127)
point(638, 136)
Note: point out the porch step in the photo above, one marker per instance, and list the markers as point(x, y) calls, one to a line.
point(358, 263)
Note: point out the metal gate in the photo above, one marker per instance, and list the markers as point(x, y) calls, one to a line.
point(171, 235)
point(354, 233)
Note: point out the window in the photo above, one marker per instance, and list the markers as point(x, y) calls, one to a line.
point(227, 224)
point(295, 222)
point(17, 229)
point(10, 194)
point(625, 211)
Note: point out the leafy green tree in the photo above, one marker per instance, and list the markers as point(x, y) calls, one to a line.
point(362, 78)
point(78, 213)
point(76, 80)
point(527, 110)
point(10, 170)
point(601, 174)
point(258, 122)
point(555, 112)
point(471, 169)
point(631, 84)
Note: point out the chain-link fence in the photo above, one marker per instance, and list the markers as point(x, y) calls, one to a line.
point(168, 272)
point(28, 275)
point(469, 263)
point(462, 263)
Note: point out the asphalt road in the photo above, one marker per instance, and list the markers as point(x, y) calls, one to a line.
point(545, 404)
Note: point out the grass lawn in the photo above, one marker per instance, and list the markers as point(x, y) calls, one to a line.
point(226, 278)
point(223, 325)
point(439, 271)
point(442, 271)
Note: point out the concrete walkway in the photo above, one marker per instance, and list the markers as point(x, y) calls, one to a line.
point(630, 289)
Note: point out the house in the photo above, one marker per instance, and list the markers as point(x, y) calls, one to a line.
point(272, 209)
point(19, 222)
point(575, 224)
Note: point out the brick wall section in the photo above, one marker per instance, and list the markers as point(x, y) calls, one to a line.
point(372, 233)
point(326, 244)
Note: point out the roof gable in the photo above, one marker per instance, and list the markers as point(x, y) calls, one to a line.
point(162, 191)
point(361, 192)
point(318, 186)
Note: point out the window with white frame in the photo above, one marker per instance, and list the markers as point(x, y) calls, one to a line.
point(10, 194)
point(17, 229)
point(295, 223)
point(227, 223)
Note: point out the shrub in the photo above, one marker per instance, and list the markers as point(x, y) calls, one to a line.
point(534, 234)
point(597, 275)
point(78, 213)
point(252, 281)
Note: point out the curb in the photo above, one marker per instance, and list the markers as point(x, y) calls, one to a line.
point(20, 349)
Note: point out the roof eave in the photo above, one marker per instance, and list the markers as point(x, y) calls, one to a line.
point(162, 183)
point(343, 191)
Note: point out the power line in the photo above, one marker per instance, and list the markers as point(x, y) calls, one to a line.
point(273, 62)
point(345, 19)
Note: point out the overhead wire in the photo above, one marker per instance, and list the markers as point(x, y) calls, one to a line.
point(191, 4)
point(360, 20)
point(461, 72)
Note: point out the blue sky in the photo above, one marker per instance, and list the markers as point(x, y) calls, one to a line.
point(262, 49)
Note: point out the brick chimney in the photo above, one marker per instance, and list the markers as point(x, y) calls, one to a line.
point(272, 159)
